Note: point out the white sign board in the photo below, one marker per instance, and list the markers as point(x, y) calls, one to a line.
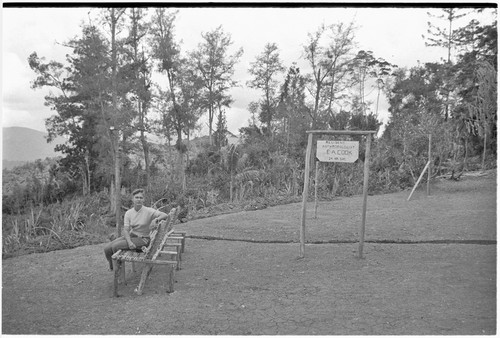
point(337, 151)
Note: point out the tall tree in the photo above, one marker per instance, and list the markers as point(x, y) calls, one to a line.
point(167, 53)
point(82, 104)
point(181, 101)
point(444, 37)
point(478, 41)
point(140, 70)
point(292, 108)
point(447, 38)
point(190, 109)
point(264, 70)
point(365, 67)
point(483, 110)
point(119, 120)
point(415, 107)
point(329, 52)
point(478, 46)
point(215, 68)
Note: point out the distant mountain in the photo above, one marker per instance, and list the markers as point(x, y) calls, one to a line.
point(21, 145)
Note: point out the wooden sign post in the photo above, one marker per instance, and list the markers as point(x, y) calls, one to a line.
point(335, 151)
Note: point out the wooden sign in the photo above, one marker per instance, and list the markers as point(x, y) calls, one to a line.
point(337, 151)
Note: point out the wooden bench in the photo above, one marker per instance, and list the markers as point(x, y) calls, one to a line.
point(177, 241)
point(162, 237)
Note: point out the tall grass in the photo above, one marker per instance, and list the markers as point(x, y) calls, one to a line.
point(68, 224)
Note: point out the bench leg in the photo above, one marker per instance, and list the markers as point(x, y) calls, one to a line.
point(179, 258)
point(145, 273)
point(124, 279)
point(170, 278)
point(179, 252)
point(117, 266)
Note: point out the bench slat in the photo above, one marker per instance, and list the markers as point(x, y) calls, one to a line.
point(169, 252)
point(129, 255)
point(159, 261)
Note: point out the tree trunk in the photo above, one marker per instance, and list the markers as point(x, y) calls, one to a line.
point(183, 175)
point(89, 174)
point(114, 81)
point(112, 203)
point(316, 101)
point(210, 121)
point(84, 183)
point(466, 154)
point(231, 184)
point(484, 149)
point(294, 182)
point(378, 97)
point(188, 144)
point(180, 162)
point(145, 148)
point(118, 185)
point(332, 94)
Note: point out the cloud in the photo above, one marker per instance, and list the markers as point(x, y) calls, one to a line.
point(25, 101)
point(16, 73)
point(22, 106)
point(28, 119)
point(26, 30)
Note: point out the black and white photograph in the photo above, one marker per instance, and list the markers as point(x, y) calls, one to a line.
point(249, 168)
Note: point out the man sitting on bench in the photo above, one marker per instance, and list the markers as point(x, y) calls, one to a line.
point(138, 223)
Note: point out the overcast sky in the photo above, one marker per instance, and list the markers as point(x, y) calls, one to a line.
point(394, 34)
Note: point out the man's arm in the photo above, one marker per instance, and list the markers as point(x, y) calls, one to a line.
point(159, 216)
point(126, 231)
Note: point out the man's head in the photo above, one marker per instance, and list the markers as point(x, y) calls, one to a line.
point(138, 197)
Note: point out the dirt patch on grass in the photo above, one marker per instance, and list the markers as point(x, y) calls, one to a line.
point(429, 267)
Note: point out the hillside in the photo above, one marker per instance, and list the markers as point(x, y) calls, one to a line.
point(22, 145)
